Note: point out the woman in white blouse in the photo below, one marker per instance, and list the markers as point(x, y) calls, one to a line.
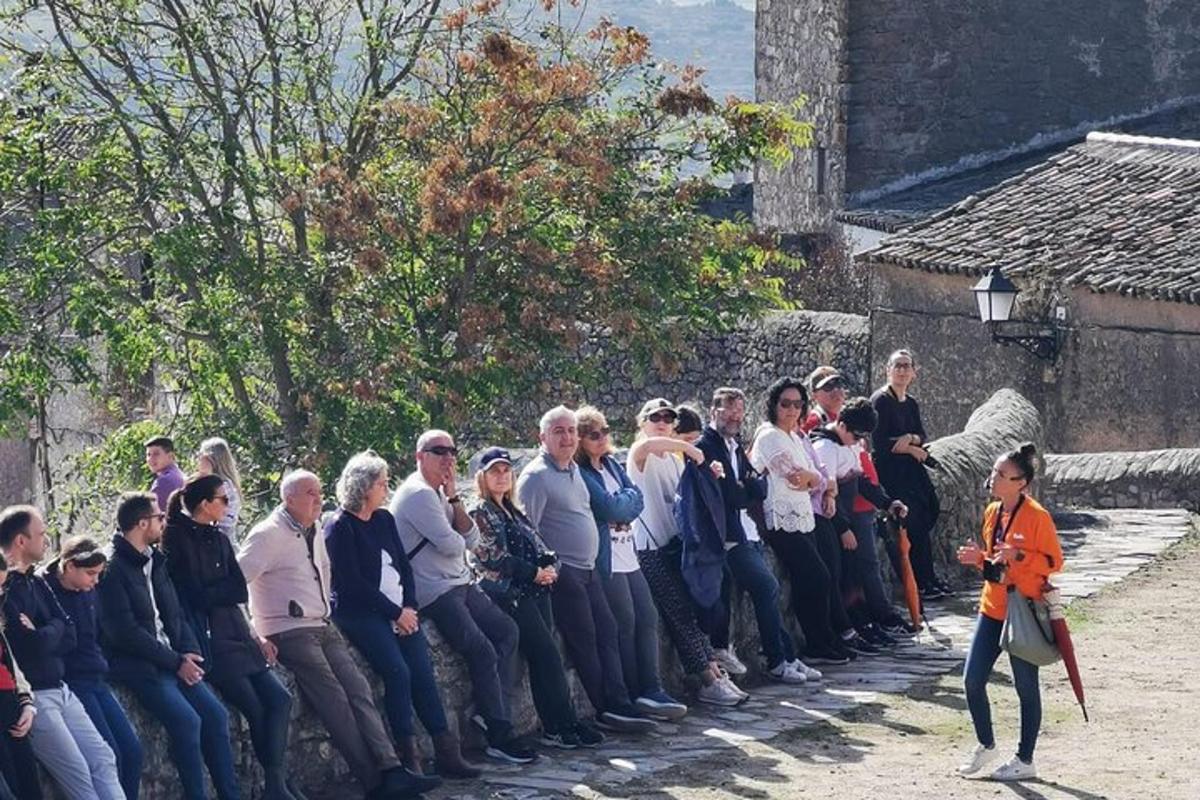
point(215, 458)
point(783, 452)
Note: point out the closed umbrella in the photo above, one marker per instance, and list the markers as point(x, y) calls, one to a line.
point(1062, 639)
point(911, 595)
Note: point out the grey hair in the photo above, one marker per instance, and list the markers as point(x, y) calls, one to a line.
point(287, 486)
point(899, 354)
point(554, 415)
point(357, 478)
point(425, 438)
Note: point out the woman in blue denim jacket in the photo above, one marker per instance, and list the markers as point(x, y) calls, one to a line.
point(616, 503)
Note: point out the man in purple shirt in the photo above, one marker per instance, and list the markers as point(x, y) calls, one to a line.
point(160, 458)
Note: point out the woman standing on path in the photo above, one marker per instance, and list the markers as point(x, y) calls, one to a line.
point(897, 445)
point(1020, 551)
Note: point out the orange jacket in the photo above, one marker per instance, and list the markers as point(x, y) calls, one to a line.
point(1040, 555)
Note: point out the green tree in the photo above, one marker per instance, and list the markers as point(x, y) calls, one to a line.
point(319, 226)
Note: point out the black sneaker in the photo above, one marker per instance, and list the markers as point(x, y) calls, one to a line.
point(827, 655)
point(896, 626)
point(933, 592)
point(514, 751)
point(587, 735)
point(625, 719)
point(859, 645)
point(876, 636)
point(565, 740)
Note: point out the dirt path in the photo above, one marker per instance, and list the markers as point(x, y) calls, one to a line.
point(1139, 649)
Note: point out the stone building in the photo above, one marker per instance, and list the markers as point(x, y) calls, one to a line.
point(1102, 240)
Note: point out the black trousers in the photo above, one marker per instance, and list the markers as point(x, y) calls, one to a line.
point(267, 707)
point(812, 585)
point(17, 763)
point(547, 677)
point(589, 633)
point(829, 545)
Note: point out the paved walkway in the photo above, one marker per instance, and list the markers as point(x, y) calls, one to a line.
point(1102, 547)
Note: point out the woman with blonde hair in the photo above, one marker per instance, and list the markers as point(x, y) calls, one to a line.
point(616, 503)
point(518, 572)
point(215, 458)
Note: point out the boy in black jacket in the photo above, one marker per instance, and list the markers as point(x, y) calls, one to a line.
point(154, 654)
point(63, 737)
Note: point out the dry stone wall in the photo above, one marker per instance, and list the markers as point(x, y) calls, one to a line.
point(1148, 479)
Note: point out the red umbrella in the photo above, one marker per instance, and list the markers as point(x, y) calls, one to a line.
point(1062, 639)
point(911, 595)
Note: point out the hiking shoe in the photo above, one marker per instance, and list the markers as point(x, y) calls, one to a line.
point(1015, 770)
point(785, 673)
point(563, 740)
point(625, 719)
point(857, 644)
point(660, 705)
point(980, 757)
point(827, 655)
point(514, 751)
point(809, 673)
point(587, 735)
point(729, 662)
point(721, 693)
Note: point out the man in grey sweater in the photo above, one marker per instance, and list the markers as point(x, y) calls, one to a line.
point(555, 498)
point(437, 533)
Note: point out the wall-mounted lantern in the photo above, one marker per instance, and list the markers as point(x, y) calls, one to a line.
point(995, 294)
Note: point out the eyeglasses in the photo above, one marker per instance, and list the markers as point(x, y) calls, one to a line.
point(663, 416)
point(159, 516)
point(902, 365)
point(1000, 474)
point(859, 434)
point(796, 404)
point(442, 450)
point(597, 434)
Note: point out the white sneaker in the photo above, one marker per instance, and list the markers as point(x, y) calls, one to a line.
point(980, 757)
point(729, 661)
point(733, 687)
point(804, 669)
point(720, 693)
point(1015, 770)
point(785, 673)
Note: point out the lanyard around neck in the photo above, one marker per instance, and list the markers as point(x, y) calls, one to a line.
point(999, 536)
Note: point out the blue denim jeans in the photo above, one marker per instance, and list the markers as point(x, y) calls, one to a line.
point(267, 707)
point(751, 573)
point(402, 663)
point(113, 724)
point(981, 657)
point(197, 726)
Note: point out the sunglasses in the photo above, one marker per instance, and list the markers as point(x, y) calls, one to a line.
point(221, 498)
point(859, 434)
point(597, 434)
point(663, 416)
point(442, 450)
point(797, 404)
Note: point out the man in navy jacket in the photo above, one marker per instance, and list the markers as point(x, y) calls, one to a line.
point(63, 737)
point(152, 651)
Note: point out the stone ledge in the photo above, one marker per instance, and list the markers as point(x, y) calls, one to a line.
point(1145, 479)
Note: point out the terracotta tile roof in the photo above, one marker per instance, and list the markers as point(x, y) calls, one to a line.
point(1115, 214)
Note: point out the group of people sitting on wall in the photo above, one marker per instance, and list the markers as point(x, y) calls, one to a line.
point(183, 615)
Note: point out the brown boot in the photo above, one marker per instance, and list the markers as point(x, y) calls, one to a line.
point(410, 755)
point(449, 760)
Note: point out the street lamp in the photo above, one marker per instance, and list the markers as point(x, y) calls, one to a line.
point(995, 296)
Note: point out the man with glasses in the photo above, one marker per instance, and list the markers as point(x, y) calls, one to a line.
point(153, 652)
point(63, 737)
point(289, 605)
point(436, 532)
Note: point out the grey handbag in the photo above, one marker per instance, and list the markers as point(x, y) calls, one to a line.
point(1027, 634)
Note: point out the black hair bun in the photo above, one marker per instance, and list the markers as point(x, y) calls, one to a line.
point(1027, 450)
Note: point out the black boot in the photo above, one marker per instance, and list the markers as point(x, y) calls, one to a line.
point(398, 783)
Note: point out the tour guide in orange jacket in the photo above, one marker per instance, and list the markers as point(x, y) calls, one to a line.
point(1020, 551)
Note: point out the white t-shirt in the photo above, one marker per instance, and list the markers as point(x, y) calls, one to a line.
point(786, 508)
point(842, 460)
point(390, 584)
point(624, 557)
point(748, 524)
point(658, 480)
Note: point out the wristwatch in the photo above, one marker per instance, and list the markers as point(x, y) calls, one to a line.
point(455, 499)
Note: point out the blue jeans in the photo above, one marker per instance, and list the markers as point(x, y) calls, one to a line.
point(197, 726)
point(402, 662)
point(111, 721)
point(752, 574)
point(982, 655)
point(267, 707)
point(866, 556)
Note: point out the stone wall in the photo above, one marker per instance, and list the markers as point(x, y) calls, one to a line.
point(1147, 479)
point(901, 90)
point(751, 357)
point(1004, 420)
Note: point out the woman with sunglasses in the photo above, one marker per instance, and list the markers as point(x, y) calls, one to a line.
point(73, 576)
point(656, 467)
point(212, 589)
point(1020, 551)
point(616, 503)
point(898, 447)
